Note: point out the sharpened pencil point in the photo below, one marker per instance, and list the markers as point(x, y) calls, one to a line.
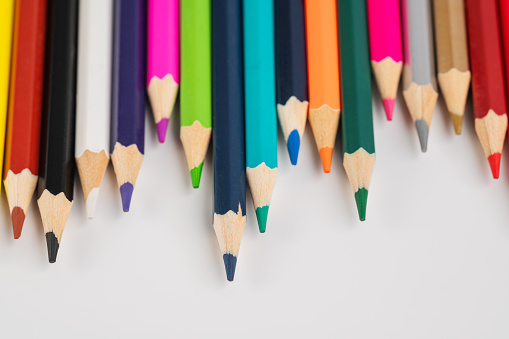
point(389, 108)
point(18, 218)
point(196, 175)
point(422, 132)
point(361, 199)
point(293, 144)
point(52, 243)
point(457, 122)
point(326, 156)
point(261, 216)
point(126, 193)
point(162, 126)
point(230, 262)
point(494, 161)
point(91, 202)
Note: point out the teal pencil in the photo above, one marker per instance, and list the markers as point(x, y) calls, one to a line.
point(260, 104)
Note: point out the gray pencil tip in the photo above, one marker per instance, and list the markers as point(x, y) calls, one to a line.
point(422, 131)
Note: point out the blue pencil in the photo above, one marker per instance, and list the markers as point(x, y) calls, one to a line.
point(228, 109)
point(128, 95)
point(260, 96)
point(291, 71)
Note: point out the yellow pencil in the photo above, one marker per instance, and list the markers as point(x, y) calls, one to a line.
point(6, 26)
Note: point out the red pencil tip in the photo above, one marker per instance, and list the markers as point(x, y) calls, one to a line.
point(494, 161)
point(326, 156)
point(18, 218)
point(389, 108)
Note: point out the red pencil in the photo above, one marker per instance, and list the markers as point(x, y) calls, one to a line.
point(25, 101)
point(504, 16)
point(488, 86)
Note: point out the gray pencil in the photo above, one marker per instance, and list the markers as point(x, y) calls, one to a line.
point(419, 80)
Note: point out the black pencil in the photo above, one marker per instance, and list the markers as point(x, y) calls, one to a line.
point(56, 172)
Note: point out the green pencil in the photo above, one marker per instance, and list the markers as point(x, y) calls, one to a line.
point(196, 84)
point(358, 139)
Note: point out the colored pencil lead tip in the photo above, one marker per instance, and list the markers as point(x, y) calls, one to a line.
point(261, 216)
point(52, 243)
point(293, 144)
point(91, 202)
point(196, 175)
point(126, 193)
point(422, 132)
point(326, 156)
point(18, 218)
point(457, 122)
point(361, 199)
point(389, 108)
point(494, 161)
point(162, 126)
point(230, 262)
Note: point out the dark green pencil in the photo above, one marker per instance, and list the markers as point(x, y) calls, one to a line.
point(358, 139)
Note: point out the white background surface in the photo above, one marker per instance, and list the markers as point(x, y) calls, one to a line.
point(431, 261)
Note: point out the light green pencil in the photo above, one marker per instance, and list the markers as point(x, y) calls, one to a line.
point(196, 82)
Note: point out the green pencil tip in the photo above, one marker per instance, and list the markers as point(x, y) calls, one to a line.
point(196, 175)
point(261, 216)
point(361, 199)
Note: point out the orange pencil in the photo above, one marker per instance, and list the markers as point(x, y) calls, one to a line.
point(323, 74)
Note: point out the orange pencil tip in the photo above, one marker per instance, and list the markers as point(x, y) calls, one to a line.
point(326, 156)
point(494, 161)
point(18, 218)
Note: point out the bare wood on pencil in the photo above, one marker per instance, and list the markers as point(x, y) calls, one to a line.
point(324, 123)
point(195, 140)
point(162, 94)
point(387, 74)
point(54, 212)
point(229, 228)
point(421, 101)
point(262, 180)
point(455, 85)
point(20, 188)
point(491, 130)
point(359, 168)
point(126, 163)
point(292, 116)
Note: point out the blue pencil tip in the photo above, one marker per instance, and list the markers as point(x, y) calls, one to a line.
point(126, 192)
point(230, 262)
point(293, 144)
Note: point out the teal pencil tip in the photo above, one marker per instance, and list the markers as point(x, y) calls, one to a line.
point(261, 216)
point(196, 175)
point(361, 199)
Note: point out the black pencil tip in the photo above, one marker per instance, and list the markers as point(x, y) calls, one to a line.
point(52, 243)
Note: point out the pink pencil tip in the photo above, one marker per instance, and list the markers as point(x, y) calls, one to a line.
point(161, 129)
point(389, 108)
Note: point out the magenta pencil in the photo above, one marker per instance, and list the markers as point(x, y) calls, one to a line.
point(162, 60)
point(386, 50)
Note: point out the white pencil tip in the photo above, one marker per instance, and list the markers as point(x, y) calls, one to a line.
point(91, 202)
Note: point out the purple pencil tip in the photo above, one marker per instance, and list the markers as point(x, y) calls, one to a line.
point(126, 192)
point(161, 129)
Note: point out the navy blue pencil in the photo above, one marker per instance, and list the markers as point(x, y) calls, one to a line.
point(291, 72)
point(228, 109)
point(128, 95)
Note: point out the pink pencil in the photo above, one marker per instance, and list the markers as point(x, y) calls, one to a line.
point(163, 60)
point(386, 52)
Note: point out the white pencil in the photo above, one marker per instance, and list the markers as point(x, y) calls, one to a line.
point(93, 96)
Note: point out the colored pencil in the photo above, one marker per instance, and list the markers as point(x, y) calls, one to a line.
point(504, 17)
point(6, 29)
point(488, 88)
point(196, 91)
point(358, 139)
point(291, 70)
point(127, 145)
point(323, 73)
point(25, 102)
point(162, 60)
point(386, 49)
point(452, 57)
point(56, 170)
point(93, 102)
point(419, 79)
point(229, 152)
point(260, 97)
